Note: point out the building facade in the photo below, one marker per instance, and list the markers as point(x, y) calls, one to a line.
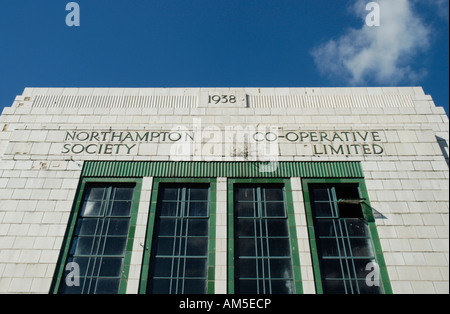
point(224, 190)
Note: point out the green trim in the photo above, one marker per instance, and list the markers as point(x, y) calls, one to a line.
point(165, 169)
point(59, 271)
point(295, 251)
point(57, 278)
point(368, 215)
point(291, 224)
point(230, 226)
point(151, 224)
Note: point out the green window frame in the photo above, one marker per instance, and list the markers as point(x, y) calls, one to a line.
point(111, 172)
point(260, 219)
point(107, 223)
point(183, 219)
point(348, 263)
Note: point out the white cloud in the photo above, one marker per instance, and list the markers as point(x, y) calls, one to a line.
point(381, 54)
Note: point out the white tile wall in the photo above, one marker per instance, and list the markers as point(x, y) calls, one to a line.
point(140, 236)
point(220, 284)
point(408, 184)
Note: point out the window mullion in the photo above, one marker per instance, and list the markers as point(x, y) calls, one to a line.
point(347, 255)
point(259, 202)
point(341, 255)
point(88, 270)
point(352, 261)
point(93, 256)
point(268, 256)
point(110, 196)
point(179, 251)
point(184, 231)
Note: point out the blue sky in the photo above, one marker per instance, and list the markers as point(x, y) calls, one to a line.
point(224, 43)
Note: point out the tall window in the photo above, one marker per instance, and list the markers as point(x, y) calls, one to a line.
point(263, 263)
point(99, 240)
point(179, 259)
point(344, 245)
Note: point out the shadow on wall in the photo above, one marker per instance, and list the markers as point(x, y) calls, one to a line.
point(444, 147)
point(377, 214)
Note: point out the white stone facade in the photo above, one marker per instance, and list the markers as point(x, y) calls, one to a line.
point(398, 134)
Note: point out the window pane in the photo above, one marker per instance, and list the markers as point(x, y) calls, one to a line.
point(332, 268)
point(246, 209)
point(167, 227)
point(198, 209)
point(107, 286)
point(111, 267)
point(282, 286)
point(323, 210)
point(281, 268)
point(277, 228)
point(121, 208)
point(199, 194)
point(247, 267)
point(245, 227)
point(194, 286)
point(91, 209)
point(118, 227)
point(329, 247)
point(170, 194)
point(245, 194)
point(273, 194)
point(115, 246)
point(246, 247)
point(87, 226)
point(197, 246)
point(162, 267)
point(198, 227)
point(196, 267)
point(279, 247)
point(361, 247)
point(334, 286)
point(123, 194)
point(325, 227)
point(95, 193)
point(275, 209)
point(247, 286)
point(321, 194)
point(84, 245)
point(357, 227)
point(165, 246)
point(160, 286)
point(169, 209)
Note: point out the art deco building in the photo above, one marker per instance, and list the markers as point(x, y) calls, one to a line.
point(224, 190)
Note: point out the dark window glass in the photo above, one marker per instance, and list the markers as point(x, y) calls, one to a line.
point(263, 263)
point(99, 240)
point(179, 259)
point(246, 209)
point(343, 239)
